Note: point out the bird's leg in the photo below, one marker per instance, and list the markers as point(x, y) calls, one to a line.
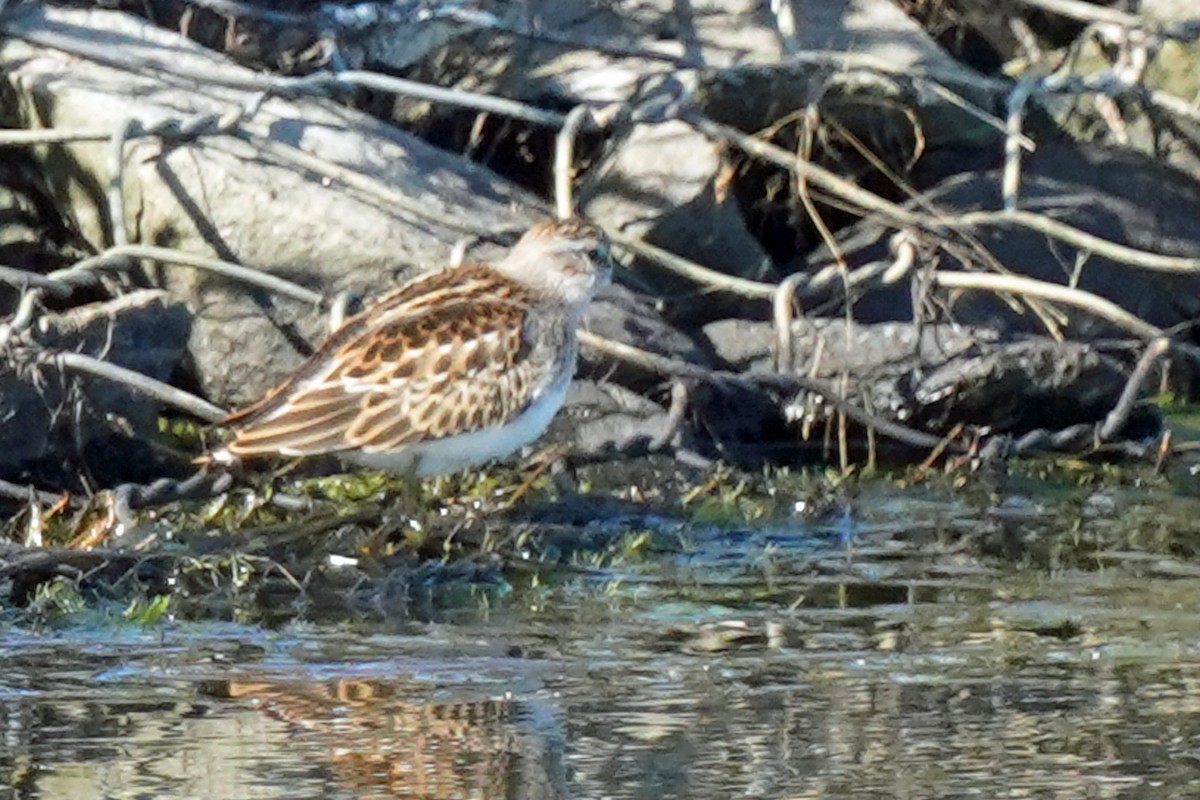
point(537, 465)
point(411, 491)
point(406, 517)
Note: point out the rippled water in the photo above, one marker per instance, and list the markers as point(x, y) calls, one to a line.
point(911, 647)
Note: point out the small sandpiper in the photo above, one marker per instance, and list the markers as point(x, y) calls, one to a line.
point(450, 371)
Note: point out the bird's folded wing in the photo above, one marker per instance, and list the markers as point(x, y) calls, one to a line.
point(428, 371)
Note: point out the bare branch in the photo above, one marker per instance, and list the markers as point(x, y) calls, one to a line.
point(1120, 413)
point(898, 215)
point(23, 316)
point(162, 392)
point(1016, 284)
point(23, 279)
point(26, 138)
point(849, 191)
point(564, 159)
point(116, 184)
point(704, 276)
point(23, 494)
point(681, 369)
point(322, 81)
point(385, 193)
point(1082, 239)
point(115, 258)
point(801, 283)
point(1085, 12)
point(1018, 99)
point(317, 83)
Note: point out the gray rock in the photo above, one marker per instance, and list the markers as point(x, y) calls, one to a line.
point(602, 419)
point(822, 349)
point(243, 198)
point(659, 184)
point(949, 375)
point(1018, 386)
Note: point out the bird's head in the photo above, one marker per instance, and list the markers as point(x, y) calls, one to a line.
point(566, 259)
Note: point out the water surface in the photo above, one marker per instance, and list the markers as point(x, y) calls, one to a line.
point(909, 645)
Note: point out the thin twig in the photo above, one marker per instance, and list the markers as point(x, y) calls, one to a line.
point(228, 123)
point(116, 183)
point(676, 417)
point(388, 195)
point(805, 284)
point(905, 249)
point(681, 369)
point(1120, 413)
point(1018, 99)
point(564, 159)
point(644, 358)
point(818, 176)
point(1019, 285)
point(902, 216)
point(960, 102)
point(1113, 251)
point(117, 257)
point(784, 313)
point(23, 316)
point(164, 393)
point(704, 276)
point(25, 138)
point(804, 154)
point(1086, 12)
point(422, 91)
point(318, 83)
point(23, 494)
point(23, 279)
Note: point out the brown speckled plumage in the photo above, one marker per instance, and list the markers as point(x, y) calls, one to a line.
point(465, 350)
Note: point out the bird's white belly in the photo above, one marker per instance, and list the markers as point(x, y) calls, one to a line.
point(455, 453)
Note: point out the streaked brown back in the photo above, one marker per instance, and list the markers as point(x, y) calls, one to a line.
point(443, 354)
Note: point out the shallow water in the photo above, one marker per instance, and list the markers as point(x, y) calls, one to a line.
point(882, 653)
